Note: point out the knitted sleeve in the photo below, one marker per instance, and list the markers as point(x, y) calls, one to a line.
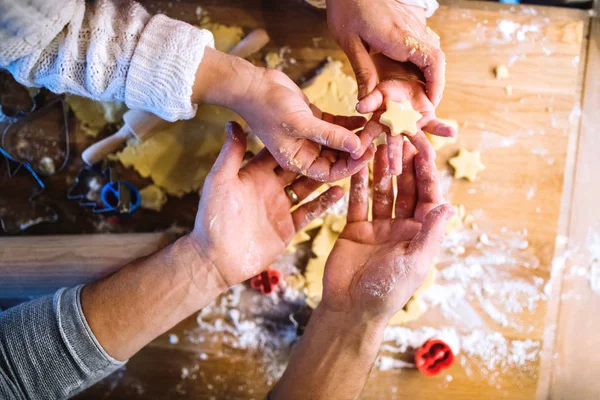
point(108, 50)
point(48, 351)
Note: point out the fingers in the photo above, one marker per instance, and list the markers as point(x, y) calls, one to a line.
point(420, 141)
point(428, 186)
point(439, 128)
point(406, 199)
point(371, 102)
point(362, 65)
point(432, 62)
point(304, 186)
point(394, 150)
point(349, 122)
point(371, 132)
point(232, 154)
point(358, 203)
point(334, 136)
point(315, 165)
point(427, 242)
point(383, 191)
point(313, 209)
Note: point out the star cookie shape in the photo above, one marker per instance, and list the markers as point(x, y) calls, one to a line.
point(467, 164)
point(400, 118)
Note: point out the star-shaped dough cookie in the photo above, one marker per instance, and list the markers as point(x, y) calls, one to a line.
point(400, 118)
point(467, 164)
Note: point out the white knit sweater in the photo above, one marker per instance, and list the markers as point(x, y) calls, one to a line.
point(106, 50)
point(109, 50)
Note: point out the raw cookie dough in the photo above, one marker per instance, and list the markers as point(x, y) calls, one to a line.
point(333, 90)
point(272, 60)
point(179, 157)
point(467, 164)
point(501, 72)
point(152, 198)
point(94, 115)
point(440, 141)
point(400, 118)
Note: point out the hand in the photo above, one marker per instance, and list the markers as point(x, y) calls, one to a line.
point(278, 112)
point(376, 266)
point(298, 134)
point(399, 82)
point(244, 219)
point(394, 29)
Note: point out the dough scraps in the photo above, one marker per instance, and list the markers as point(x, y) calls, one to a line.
point(467, 164)
point(94, 115)
point(333, 91)
point(440, 141)
point(501, 72)
point(152, 198)
point(400, 118)
point(179, 157)
point(272, 60)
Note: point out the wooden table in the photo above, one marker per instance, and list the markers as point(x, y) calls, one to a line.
point(529, 137)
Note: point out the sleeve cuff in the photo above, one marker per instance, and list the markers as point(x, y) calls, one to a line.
point(78, 336)
point(163, 68)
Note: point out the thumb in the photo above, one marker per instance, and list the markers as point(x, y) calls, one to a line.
point(427, 242)
point(362, 65)
point(232, 154)
point(336, 137)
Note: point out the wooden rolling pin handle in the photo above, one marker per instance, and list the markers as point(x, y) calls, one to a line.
point(99, 150)
point(252, 43)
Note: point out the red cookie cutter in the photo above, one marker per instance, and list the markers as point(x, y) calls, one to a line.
point(266, 281)
point(433, 357)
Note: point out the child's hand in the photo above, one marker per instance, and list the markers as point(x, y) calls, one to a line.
point(394, 29)
point(244, 220)
point(296, 132)
point(399, 82)
point(376, 266)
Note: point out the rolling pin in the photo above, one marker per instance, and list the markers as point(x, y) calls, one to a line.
point(143, 125)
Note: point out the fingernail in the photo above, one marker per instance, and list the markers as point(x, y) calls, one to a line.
point(351, 144)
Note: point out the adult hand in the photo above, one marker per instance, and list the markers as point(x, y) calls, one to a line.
point(398, 31)
point(376, 266)
point(400, 82)
point(244, 219)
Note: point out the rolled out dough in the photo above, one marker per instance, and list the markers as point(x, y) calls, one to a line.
point(400, 118)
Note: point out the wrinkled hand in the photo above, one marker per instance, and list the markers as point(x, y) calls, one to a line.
point(296, 132)
point(398, 31)
point(376, 266)
point(244, 219)
point(399, 82)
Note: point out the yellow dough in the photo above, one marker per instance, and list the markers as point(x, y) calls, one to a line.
point(501, 72)
point(94, 115)
point(467, 164)
point(333, 90)
point(272, 60)
point(179, 157)
point(400, 118)
point(439, 141)
point(152, 198)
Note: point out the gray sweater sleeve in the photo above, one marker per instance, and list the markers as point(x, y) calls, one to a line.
point(48, 351)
